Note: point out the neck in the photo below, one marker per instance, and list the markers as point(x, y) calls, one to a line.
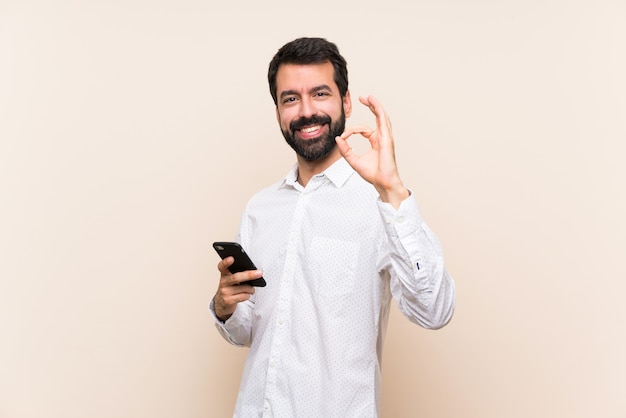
point(308, 169)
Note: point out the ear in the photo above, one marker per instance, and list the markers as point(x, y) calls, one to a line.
point(347, 104)
point(277, 116)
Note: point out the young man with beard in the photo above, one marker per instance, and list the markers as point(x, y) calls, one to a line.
point(337, 239)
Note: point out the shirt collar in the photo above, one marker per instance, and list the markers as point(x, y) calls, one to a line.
point(338, 174)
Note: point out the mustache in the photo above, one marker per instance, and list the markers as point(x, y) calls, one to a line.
point(313, 120)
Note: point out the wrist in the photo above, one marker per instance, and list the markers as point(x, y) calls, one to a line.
point(394, 196)
point(217, 312)
point(221, 314)
point(224, 318)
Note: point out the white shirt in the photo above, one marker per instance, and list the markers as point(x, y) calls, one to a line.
point(333, 254)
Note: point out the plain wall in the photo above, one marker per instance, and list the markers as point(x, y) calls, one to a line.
point(133, 132)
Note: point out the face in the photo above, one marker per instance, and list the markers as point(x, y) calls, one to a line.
point(310, 110)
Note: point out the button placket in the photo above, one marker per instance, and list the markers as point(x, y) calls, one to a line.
point(283, 307)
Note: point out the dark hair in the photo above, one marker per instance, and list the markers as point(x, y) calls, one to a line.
point(309, 51)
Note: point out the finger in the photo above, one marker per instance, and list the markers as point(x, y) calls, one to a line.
point(345, 149)
point(371, 102)
point(246, 289)
point(244, 276)
point(382, 119)
point(364, 130)
point(240, 289)
point(223, 265)
point(227, 298)
point(239, 297)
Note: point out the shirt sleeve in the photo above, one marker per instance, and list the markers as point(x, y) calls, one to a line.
point(236, 329)
point(423, 289)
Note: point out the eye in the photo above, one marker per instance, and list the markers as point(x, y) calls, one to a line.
point(288, 100)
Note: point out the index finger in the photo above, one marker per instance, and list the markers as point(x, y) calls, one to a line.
point(245, 276)
point(364, 130)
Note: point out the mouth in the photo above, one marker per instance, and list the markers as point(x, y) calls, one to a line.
point(311, 131)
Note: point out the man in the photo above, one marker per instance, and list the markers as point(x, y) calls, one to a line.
point(336, 239)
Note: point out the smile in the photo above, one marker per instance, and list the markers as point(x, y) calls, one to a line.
point(310, 129)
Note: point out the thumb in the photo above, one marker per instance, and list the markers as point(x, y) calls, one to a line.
point(345, 149)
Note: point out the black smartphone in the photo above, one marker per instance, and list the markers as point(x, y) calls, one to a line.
point(242, 261)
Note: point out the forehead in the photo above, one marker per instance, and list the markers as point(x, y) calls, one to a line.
point(302, 77)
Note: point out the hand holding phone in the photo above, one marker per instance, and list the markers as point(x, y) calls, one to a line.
point(242, 261)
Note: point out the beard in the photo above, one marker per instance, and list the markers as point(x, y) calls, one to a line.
point(315, 148)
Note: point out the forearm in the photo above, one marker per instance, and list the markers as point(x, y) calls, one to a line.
point(422, 287)
point(426, 294)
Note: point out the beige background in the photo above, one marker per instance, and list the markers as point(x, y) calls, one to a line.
point(132, 133)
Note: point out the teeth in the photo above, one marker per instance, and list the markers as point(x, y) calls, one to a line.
point(310, 129)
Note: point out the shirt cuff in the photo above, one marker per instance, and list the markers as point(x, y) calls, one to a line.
point(233, 320)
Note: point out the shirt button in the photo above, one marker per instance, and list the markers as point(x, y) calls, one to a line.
point(266, 405)
point(280, 322)
point(400, 219)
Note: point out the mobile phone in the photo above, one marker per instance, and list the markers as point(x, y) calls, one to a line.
point(242, 261)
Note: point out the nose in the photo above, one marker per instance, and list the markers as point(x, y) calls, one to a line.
point(307, 107)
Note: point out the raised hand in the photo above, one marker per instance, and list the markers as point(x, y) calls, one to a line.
point(378, 164)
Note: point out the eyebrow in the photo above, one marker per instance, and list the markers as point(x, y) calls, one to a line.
point(313, 90)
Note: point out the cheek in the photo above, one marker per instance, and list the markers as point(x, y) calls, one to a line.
point(332, 110)
point(284, 119)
